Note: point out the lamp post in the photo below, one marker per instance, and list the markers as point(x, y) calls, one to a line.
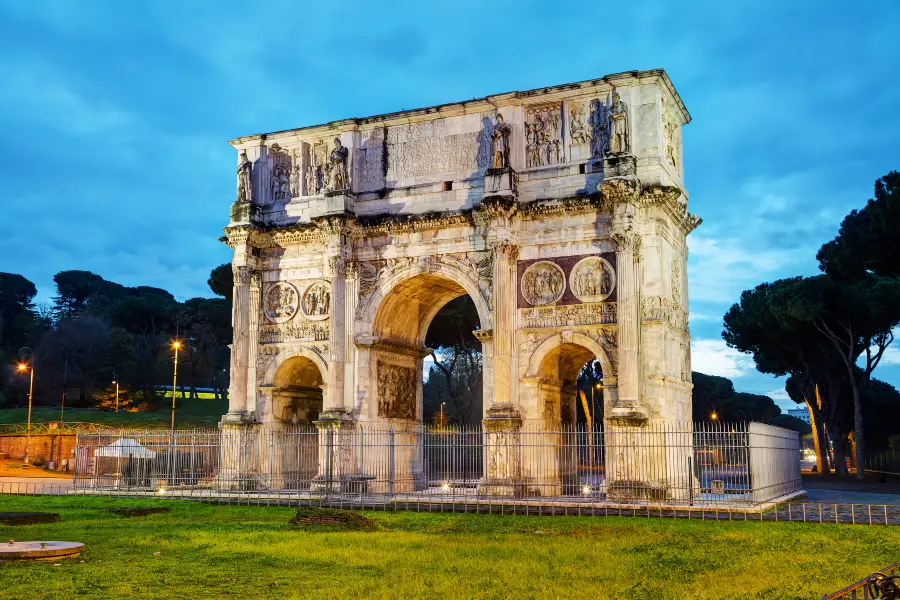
point(22, 368)
point(176, 345)
point(116, 381)
point(442, 414)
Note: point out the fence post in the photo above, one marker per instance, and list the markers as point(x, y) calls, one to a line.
point(329, 460)
point(690, 482)
point(391, 462)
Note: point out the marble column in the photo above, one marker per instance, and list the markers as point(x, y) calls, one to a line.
point(628, 404)
point(337, 344)
point(240, 346)
point(504, 332)
point(253, 339)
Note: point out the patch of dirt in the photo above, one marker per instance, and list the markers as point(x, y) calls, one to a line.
point(27, 518)
point(331, 519)
point(16, 468)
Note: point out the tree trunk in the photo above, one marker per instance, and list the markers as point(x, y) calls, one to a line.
point(837, 440)
point(818, 432)
point(858, 430)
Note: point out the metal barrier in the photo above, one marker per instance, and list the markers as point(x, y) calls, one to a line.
point(884, 585)
point(739, 465)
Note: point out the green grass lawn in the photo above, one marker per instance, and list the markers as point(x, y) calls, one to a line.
point(202, 412)
point(208, 551)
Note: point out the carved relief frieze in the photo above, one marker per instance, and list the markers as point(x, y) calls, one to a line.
point(280, 173)
point(432, 148)
point(543, 283)
point(592, 279)
point(657, 308)
point(676, 280)
point(281, 302)
point(572, 314)
point(478, 265)
point(396, 391)
point(316, 161)
point(599, 122)
point(543, 136)
point(670, 134)
point(316, 303)
point(579, 132)
point(296, 330)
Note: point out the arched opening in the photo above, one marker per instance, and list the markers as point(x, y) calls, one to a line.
point(569, 410)
point(424, 337)
point(297, 393)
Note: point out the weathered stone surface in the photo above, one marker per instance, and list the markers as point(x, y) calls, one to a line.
point(560, 211)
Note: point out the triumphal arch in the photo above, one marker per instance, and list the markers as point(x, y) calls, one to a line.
point(560, 211)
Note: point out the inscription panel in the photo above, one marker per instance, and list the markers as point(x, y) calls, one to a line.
point(432, 148)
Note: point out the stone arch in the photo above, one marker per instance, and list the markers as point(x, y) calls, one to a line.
point(295, 386)
point(548, 392)
point(434, 286)
point(572, 338)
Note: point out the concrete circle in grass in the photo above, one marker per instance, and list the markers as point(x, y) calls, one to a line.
point(40, 550)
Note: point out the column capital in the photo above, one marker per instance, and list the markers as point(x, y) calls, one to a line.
point(627, 242)
point(244, 275)
point(338, 266)
point(504, 250)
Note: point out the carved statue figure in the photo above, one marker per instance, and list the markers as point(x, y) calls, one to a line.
point(337, 167)
point(579, 132)
point(295, 177)
point(312, 181)
point(244, 173)
point(500, 144)
point(599, 132)
point(618, 126)
point(543, 283)
point(317, 300)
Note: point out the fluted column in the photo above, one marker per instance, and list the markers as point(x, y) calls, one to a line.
point(334, 400)
point(505, 255)
point(628, 405)
point(253, 338)
point(240, 345)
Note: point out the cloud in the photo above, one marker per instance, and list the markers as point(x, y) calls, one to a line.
point(714, 357)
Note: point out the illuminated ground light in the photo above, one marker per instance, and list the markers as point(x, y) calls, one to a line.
point(586, 489)
point(445, 486)
point(161, 491)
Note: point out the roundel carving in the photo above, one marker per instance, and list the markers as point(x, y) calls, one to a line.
point(317, 301)
point(592, 279)
point(543, 283)
point(281, 303)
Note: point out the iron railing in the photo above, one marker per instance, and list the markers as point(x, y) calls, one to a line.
point(887, 463)
point(668, 464)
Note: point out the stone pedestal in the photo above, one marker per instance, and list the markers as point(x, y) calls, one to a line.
point(502, 453)
point(338, 470)
point(244, 213)
point(500, 183)
point(238, 456)
point(334, 203)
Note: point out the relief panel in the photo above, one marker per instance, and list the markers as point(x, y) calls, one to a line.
point(396, 391)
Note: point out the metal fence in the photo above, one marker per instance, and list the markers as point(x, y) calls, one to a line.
point(737, 465)
point(887, 462)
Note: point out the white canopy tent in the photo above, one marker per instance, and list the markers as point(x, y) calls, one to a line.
point(124, 448)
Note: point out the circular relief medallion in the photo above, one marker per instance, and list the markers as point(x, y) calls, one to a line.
point(543, 283)
point(316, 303)
point(281, 302)
point(592, 279)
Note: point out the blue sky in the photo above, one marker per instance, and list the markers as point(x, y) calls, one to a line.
point(116, 117)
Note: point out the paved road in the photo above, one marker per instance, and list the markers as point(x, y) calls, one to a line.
point(35, 485)
point(850, 497)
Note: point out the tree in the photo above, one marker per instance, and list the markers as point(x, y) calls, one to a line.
point(457, 355)
point(221, 281)
point(867, 241)
point(765, 325)
point(17, 313)
point(74, 288)
point(853, 318)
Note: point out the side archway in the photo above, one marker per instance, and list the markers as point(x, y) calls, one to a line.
point(293, 388)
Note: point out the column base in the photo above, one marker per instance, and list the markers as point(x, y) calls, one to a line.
point(628, 412)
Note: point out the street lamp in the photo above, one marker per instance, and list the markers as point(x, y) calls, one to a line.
point(442, 414)
point(176, 345)
point(22, 368)
point(116, 377)
point(713, 416)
